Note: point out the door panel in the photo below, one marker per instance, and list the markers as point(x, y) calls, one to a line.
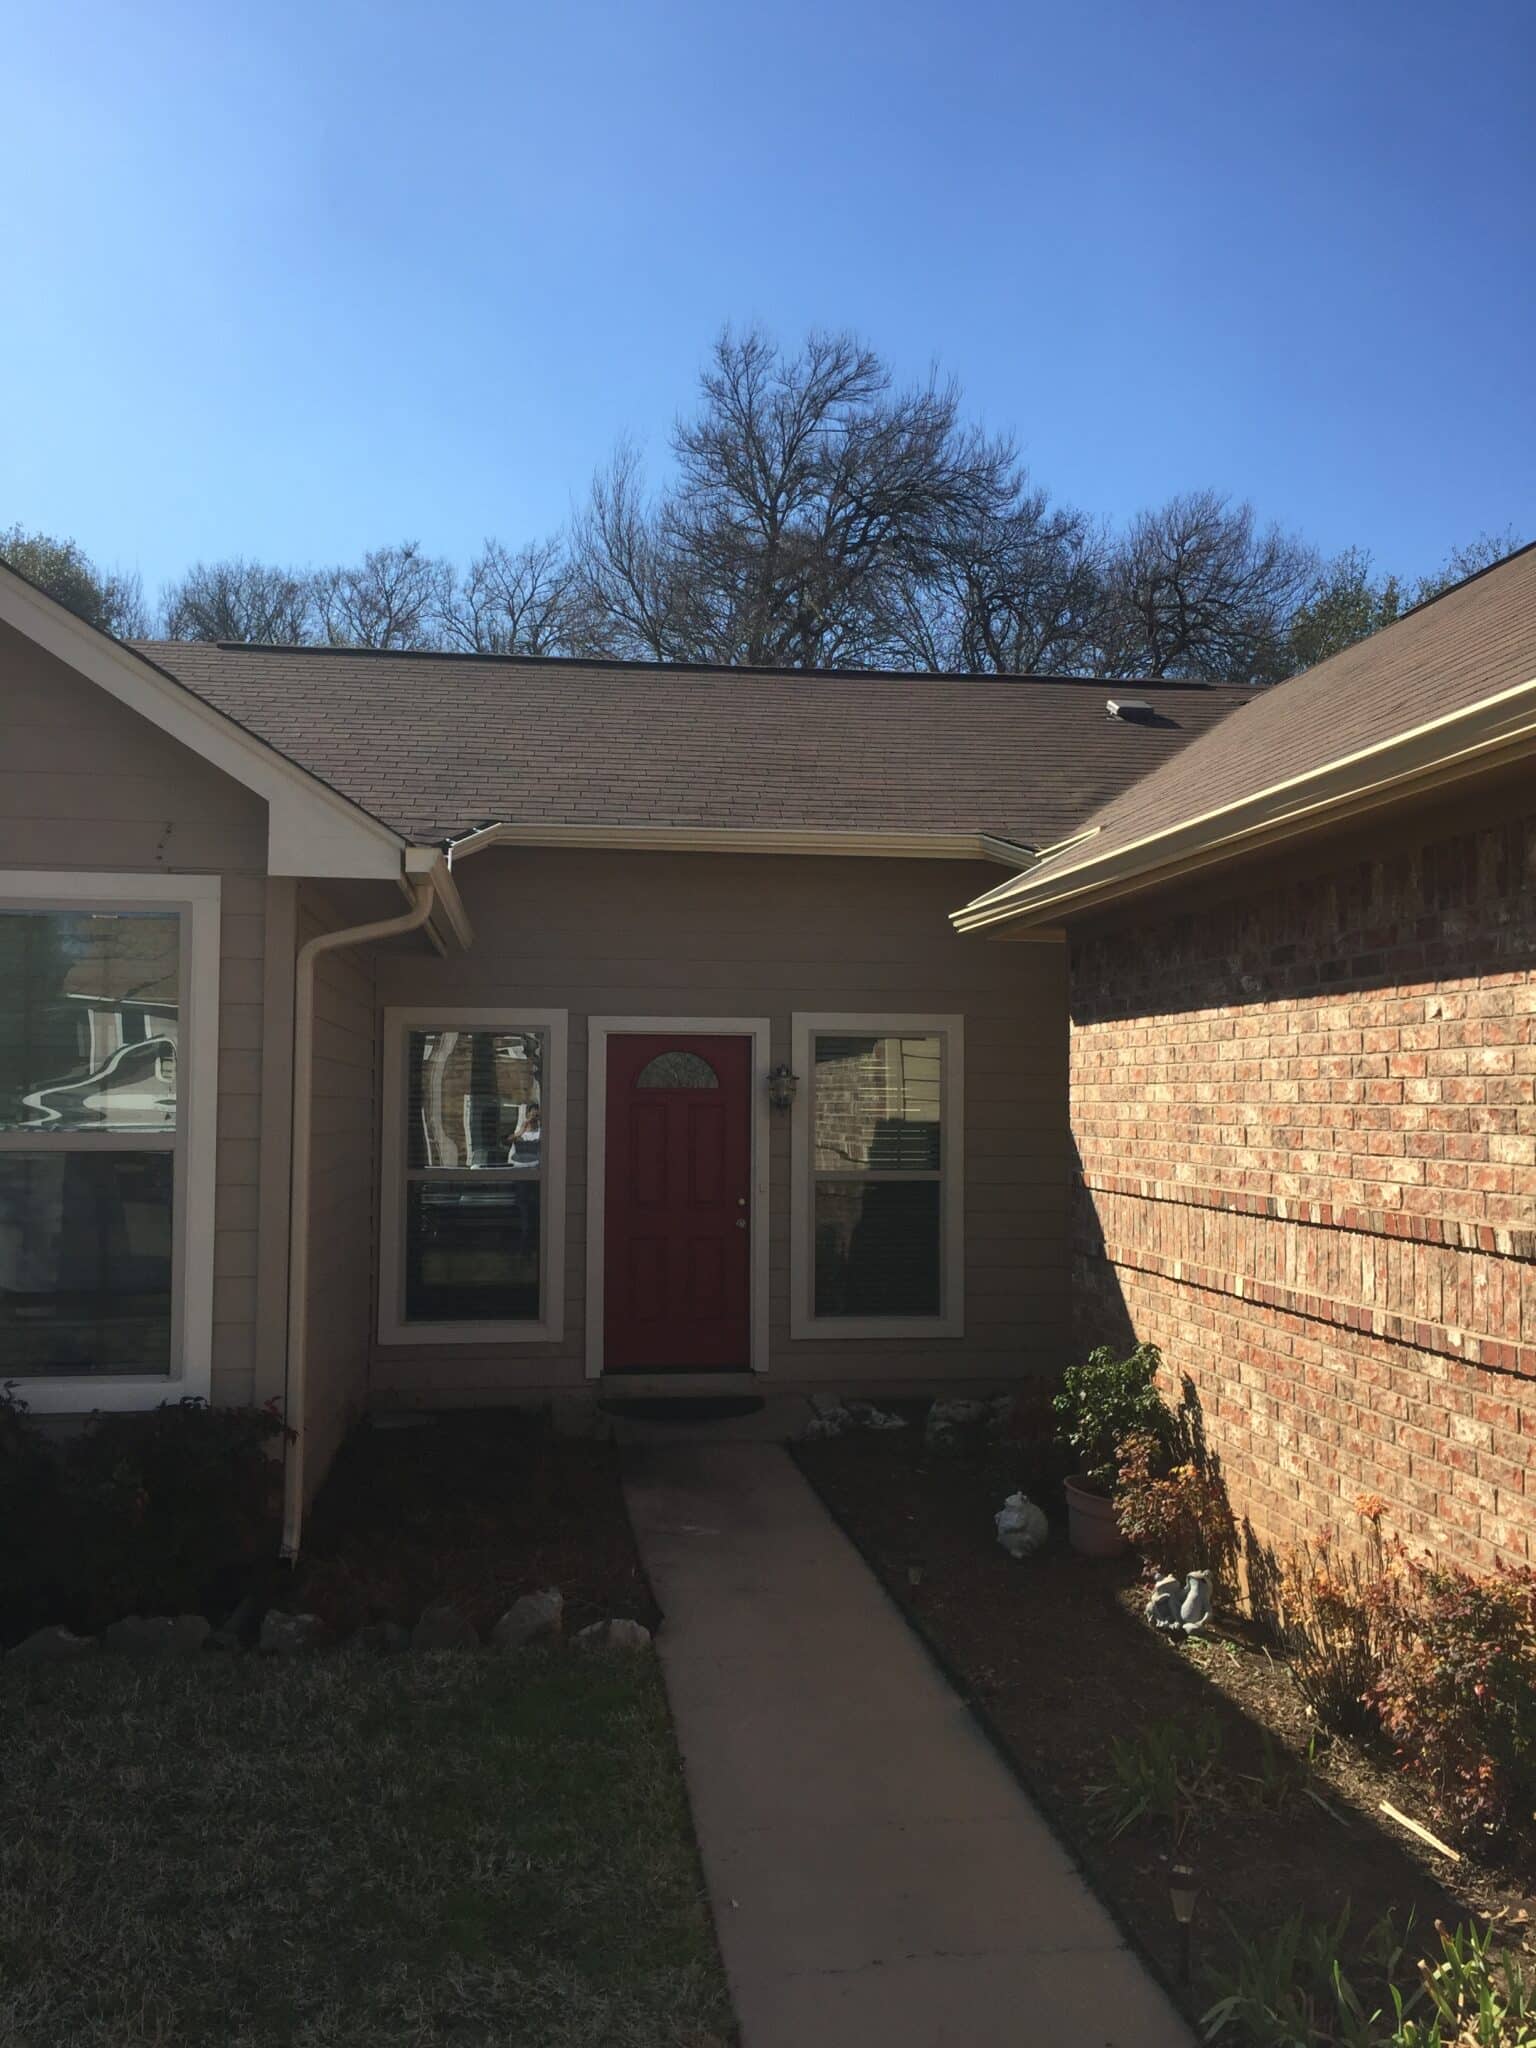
point(677, 1203)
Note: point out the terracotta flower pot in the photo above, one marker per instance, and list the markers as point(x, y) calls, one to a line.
point(1092, 1523)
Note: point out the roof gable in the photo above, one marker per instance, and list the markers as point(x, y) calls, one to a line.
point(311, 829)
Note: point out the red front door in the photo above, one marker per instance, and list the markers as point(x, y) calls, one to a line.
point(677, 1204)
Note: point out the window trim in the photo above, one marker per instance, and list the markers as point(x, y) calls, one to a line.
point(197, 899)
point(806, 1026)
point(550, 1327)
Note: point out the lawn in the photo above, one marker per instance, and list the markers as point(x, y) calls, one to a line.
point(465, 1849)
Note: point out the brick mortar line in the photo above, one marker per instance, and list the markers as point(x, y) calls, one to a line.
point(1401, 1223)
point(1442, 1339)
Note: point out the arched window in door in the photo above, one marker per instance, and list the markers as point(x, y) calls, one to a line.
point(677, 1070)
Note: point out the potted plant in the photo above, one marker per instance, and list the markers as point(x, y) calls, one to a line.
point(1101, 1402)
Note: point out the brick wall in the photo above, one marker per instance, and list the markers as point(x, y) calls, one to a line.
point(1307, 1150)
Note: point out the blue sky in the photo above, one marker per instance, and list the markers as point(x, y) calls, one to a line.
point(292, 279)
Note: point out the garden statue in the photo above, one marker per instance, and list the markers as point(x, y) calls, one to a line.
point(1179, 1610)
point(1196, 1609)
point(1021, 1526)
point(1163, 1607)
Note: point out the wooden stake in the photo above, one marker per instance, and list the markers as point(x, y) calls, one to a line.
point(1423, 1834)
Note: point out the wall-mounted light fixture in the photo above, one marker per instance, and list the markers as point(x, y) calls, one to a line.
point(782, 1084)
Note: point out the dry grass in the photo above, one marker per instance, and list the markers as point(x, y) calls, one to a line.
point(467, 1850)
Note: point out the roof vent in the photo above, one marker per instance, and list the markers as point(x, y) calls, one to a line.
point(1133, 710)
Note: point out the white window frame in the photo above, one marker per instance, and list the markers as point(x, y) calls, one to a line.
point(599, 1031)
point(806, 1027)
point(550, 1327)
point(195, 1147)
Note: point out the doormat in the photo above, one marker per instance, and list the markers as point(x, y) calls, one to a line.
point(682, 1407)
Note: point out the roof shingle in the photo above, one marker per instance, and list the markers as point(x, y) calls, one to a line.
point(432, 744)
point(1474, 642)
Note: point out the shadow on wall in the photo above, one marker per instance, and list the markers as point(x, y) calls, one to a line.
point(1455, 907)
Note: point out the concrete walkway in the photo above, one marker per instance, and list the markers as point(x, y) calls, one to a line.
point(879, 1880)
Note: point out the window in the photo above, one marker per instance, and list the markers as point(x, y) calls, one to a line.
point(108, 1033)
point(877, 1196)
point(473, 1209)
point(677, 1070)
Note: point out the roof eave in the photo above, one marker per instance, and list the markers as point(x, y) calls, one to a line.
point(1471, 741)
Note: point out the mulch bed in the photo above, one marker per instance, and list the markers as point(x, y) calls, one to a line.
point(470, 1510)
point(1055, 1656)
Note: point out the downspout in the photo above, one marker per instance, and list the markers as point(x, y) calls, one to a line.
point(298, 1185)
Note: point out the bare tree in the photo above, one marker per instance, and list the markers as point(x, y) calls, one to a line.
point(1017, 591)
point(393, 598)
point(808, 499)
point(1194, 589)
point(251, 602)
point(106, 598)
point(512, 601)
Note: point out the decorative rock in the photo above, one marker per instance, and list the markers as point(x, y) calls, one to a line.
point(189, 1634)
point(528, 1618)
point(284, 1635)
point(157, 1636)
point(838, 1417)
point(443, 1628)
point(1021, 1526)
point(50, 1646)
point(383, 1638)
point(237, 1629)
point(134, 1636)
point(613, 1635)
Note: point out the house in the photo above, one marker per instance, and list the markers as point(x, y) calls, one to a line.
point(423, 1030)
point(1302, 993)
point(415, 1030)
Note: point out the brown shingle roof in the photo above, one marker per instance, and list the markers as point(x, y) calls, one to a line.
point(432, 744)
point(1475, 641)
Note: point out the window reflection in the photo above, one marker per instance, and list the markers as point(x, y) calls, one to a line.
point(85, 1262)
point(475, 1098)
point(877, 1104)
point(89, 1012)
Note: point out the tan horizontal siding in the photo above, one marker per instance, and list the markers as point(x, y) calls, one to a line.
point(342, 1187)
point(85, 783)
point(694, 935)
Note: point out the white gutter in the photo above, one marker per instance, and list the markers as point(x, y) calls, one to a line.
point(411, 920)
point(1489, 733)
point(753, 839)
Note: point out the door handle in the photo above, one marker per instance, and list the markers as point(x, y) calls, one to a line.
point(741, 1222)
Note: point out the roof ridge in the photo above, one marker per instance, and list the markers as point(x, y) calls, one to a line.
point(710, 668)
point(1473, 576)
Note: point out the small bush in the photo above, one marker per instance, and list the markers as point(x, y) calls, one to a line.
point(1337, 1616)
point(134, 1513)
point(1105, 1400)
point(1458, 1693)
point(1180, 1518)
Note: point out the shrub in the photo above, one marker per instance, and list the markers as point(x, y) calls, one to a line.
point(1337, 1616)
point(133, 1513)
point(1105, 1400)
point(1178, 1518)
point(30, 1486)
point(1458, 1693)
